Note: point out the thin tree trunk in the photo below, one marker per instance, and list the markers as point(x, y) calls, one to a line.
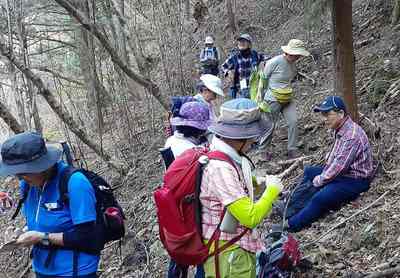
point(344, 54)
point(57, 107)
point(10, 120)
point(143, 81)
point(396, 12)
point(33, 110)
point(231, 17)
point(13, 74)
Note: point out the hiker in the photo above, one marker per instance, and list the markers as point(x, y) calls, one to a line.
point(191, 124)
point(209, 87)
point(239, 66)
point(227, 187)
point(209, 57)
point(55, 231)
point(279, 73)
point(347, 172)
point(176, 103)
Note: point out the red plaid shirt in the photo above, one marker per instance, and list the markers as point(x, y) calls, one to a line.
point(351, 155)
point(220, 187)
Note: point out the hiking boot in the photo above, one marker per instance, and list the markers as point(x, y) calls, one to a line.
point(292, 154)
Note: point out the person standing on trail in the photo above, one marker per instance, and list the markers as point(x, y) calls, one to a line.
point(209, 87)
point(63, 237)
point(228, 190)
point(191, 124)
point(242, 61)
point(348, 170)
point(279, 73)
point(209, 57)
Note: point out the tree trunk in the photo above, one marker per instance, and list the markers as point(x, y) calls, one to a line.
point(396, 12)
point(10, 120)
point(31, 94)
point(19, 101)
point(231, 17)
point(344, 55)
point(143, 81)
point(58, 108)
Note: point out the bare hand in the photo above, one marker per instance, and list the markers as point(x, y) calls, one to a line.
point(30, 238)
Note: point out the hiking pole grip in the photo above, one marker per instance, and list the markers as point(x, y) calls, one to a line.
point(67, 153)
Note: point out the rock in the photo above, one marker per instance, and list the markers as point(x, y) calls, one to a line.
point(339, 266)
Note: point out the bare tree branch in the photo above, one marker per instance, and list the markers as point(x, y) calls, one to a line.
point(140, 79)
point(9, 119)
point(57, 107)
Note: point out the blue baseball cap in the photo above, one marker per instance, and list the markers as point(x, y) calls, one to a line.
point(330, 103)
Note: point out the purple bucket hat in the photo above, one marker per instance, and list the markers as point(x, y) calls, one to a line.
point(241, 119)
point(195, 114)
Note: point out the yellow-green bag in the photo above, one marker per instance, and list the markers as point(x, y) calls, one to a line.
point(257, 83)
point(283, 95)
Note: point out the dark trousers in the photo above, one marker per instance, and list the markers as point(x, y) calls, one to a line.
point(178, 271)
point(92, 275)
point(331, 196)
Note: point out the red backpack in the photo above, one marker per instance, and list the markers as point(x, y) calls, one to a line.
point(179, 209)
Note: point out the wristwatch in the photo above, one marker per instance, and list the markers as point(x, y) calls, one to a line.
point(45, 240)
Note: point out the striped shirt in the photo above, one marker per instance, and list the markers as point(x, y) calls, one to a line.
point(220, 187)
point(350, 156)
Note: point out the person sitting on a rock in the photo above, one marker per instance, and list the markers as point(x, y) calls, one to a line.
point(347, 173)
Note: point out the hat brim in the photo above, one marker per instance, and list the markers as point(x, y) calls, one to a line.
point(41, 164)
point(216, 90)
point(319, 109)
point(202, 125)
point(237, 131)
point(298, 51)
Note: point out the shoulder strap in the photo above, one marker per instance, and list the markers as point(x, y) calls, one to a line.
point(21, 201)
point(63, 182)
point(215, 52)
point(218, 155)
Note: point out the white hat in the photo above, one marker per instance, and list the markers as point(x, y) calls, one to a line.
point(212, 83)
point(295, 47)
point(209, 40)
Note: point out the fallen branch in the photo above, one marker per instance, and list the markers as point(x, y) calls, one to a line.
point(307, 77)
point(345, 220)
point(289, 170)
point(290, 161)
point(384, 273)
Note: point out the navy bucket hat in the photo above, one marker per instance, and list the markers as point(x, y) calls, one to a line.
point(27, 153)
point(240, 119)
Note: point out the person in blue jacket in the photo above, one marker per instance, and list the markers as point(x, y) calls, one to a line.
point(62, 235)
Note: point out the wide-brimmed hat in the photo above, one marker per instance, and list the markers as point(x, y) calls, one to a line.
point(213, 83)
point(27, 153)
point(195, 114)
point(331, 103)
point(295, 47)
point(240, 119)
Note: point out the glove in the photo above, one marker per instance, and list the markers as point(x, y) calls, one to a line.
point(272, 180)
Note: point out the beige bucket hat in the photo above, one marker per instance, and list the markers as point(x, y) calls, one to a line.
point(295, 47)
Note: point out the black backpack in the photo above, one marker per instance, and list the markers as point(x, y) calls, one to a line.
point(110, 216)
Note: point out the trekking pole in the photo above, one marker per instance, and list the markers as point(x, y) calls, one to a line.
point(67, 153)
